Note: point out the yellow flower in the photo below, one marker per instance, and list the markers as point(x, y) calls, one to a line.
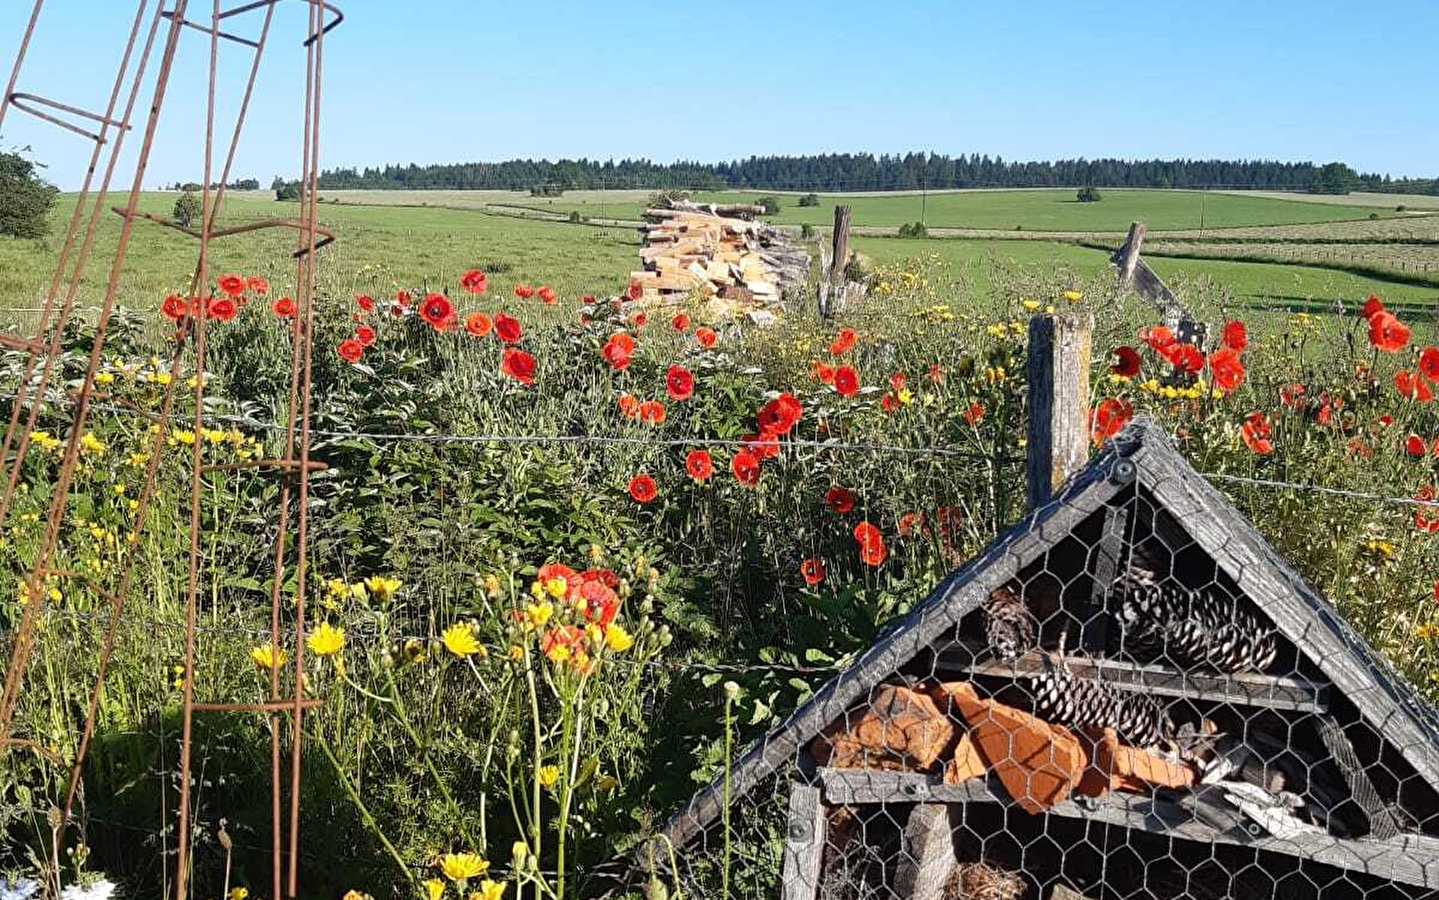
point(617, 639)
point(434, 888)
point(104, 378)
point(337, 588)
point(537, 614)
point(1379, 549)
point(326, 640)
point(1030, 305)
point(91, 444)
point(459, 639)
point(906, 396)
point(267, 657)
point(489, 890)
point(557, 587)
point(359, 591)
point(1073, 296)
point(415, 650)
point(492, 585)
point(594, 633)
point(548, 776)
point(1427, 632)
point(355, 895)
point(558, 653)
point(462, 866)
point(238, 893)
point(183, 436)
point(44, 440)
point(382, 588)
point(517, 652)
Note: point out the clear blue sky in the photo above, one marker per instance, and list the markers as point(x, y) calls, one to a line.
point(453, 81)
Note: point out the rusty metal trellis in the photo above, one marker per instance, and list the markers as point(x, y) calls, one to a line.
point(107, 131)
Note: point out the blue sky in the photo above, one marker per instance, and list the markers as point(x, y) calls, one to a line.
point(452, 81)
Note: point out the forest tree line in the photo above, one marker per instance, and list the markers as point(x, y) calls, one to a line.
point(865, 172)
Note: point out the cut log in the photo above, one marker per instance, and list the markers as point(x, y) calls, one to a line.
point(927, 856)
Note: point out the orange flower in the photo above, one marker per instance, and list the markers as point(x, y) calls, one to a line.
point(618, 350)
point(508, 330)
point(629, 406)
point(436, 310)
point(821, 371)
point(1109, 418)
point(519, 365)
point(812, 570)
point(284, 308)
point(474, 281)
point(839, 499)
point(548, 295)
point(1387, 333)
point(642, 488)
point(706, 336)
point(351, 350)
point(233, 285)
point(257, 285)
point(1226, 367)
point(843, 341)
point(679, 383)
point(910, 524)
point(1257, 433)
point(846, 381)
point(699, 465)
point(745, 466)
point(652, 411)
point(524, 291)
point(478, 324)
point(871, 544)
point(973, 415)
point(1412, 387)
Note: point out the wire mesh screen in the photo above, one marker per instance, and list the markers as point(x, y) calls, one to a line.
point(1124, 697)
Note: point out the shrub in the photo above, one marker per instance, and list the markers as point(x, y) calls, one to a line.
point(1400, 208)
point(25, 199)
point(1088, 195)
point(547, 190)
point(806, 231)
point(913, 230)
point(809, 200)
point(575, 217)
point(187, 209)
point(288, 191)
point(770, 204)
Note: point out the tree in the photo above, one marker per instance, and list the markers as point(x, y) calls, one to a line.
point(1334, 178)
point(1088, 194)
point(913, 230)
point(809, 200)
point(770, 204)
point(187, 209)
point(25, 199)
point(290, 190)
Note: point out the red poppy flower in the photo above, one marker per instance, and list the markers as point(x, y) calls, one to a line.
point(629, 406)
point(1184, 357)
point(402, 299)
point(846, 381)
point(910, 524)
point(1429, 363)
point(601, 603)
point(821, 372)
point(1416, 445)
point(519, 365)
point(635, 291)
point(618, 350)
point(474, 281)
point(1327, 407)
point(889, 403)
point(257, 285)
point(478, 324)
point(1412, 387)
point(843, 341)
point(1109, 418)
point(1385, 421)
point(587, 300)
point(351, 350)
point(699, 465)
point(233, 285)
point(871, 544)
point(765, 445)
point(679, 383)
point(551, 571)
point(1387, 333)
point(1292, 395)
point(368, 304)
point(1227, 368)
point(680, 323)
point(174, 307)
point(1371, 307)
point(812, 570)
point(839, 499)
point(365, 335)
point(436, 310)
point(652, 411)
point(1426, 518)
point(639, 320)
point(706, 336)
point(936, 374)
point(745, 466)
point(973, 415)
point(1257, 433)
point(508, 330)
point(642, 488)
point(284, 308)
point(1126, 362)
point(524, 291)
point(1235, 336)
point(896, 382)
point(1157, 336)
point(222, 308)
point(780, 415)
point(548, 295)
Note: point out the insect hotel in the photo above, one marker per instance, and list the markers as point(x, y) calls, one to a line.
point(1128, 694)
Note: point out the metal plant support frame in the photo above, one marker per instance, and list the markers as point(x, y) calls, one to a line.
point(293, 467)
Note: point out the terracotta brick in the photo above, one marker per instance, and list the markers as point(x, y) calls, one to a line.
point(965, 763)
point(1119, 767)
point(1038, 763)
point(900, 729)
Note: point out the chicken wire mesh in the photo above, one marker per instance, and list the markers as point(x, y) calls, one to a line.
point(1126, 695)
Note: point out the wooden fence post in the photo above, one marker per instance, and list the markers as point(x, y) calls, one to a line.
point(832, 289)
point(1129, 254)
point(1058, 372)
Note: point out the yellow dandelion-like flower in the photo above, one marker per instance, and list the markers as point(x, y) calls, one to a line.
point(104, 378)
point(326, 640)
point(462, 866)
point(1030, 305)
point(548, 776)
point(517, 652)
point(238, 893)
point(1073, 296)
point(617, 639)
point(492, 585)
point(44, 440)
point(537, 614)
point(91, 444)
point(434, 888)
point(460, 640)
point(165, 378)
point(382, 588)
point(268, 656)
point(557, 587)
point(489, 890)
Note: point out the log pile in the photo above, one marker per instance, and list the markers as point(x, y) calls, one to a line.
point(719, 252)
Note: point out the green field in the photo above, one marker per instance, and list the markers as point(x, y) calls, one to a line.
point(1033, 210)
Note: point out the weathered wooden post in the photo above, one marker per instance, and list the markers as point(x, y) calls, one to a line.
point(1060, 348)
point(832, 291)
point(1128, 257)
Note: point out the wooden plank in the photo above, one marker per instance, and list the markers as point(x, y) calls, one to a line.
point(1108, 558)
point(927, 857)
point(1381, 820)
point(1058, 370)
point(1245, 688)
point(1412, 859)
point(804, 843)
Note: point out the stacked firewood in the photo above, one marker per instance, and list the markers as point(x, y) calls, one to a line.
point(719, 252)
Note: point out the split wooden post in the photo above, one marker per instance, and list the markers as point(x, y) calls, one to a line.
point(804, 843)
point(1058, 371)
point(928, 854)
point(1128, 258)
point(840, 246)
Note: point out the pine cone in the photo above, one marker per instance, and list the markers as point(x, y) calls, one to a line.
point(1009, 626)
point(1164, 620)
point(1065, 699)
